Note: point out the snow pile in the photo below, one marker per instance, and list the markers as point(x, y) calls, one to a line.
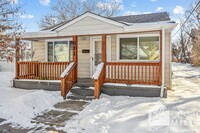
point(8, 93)
point(113, 114)
point(21, 109)
point(18, 106)
point(118, 114)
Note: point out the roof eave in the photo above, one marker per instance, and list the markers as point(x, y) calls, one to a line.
point(39, 34)
point(168, 25)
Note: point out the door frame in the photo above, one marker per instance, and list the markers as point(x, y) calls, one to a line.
point(92, 49)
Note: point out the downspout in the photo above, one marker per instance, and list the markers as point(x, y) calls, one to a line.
point(163, 63)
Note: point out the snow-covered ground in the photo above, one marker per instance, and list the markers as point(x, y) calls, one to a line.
point(180, 112)
point(18, 106)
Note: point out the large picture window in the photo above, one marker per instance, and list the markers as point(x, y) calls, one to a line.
point(59, 51)
point(139, 48)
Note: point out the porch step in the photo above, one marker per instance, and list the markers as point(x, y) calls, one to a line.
point(78, 97)
point(135, 91)
point(82, 90)
point(81, 93)
point(84, 82)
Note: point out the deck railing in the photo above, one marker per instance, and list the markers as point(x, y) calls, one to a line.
point(68, 78)
point(99, 79)
point(40, 70)
point(133, 73)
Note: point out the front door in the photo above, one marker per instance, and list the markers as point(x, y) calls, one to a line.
point(96, 52)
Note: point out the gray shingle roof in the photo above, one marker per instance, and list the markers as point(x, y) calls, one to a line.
point(143, 18)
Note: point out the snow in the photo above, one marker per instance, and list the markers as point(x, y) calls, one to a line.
point(8, 93)
point(20, 106)
point(98, 71)
point(116, 114)
point(135, 85)
point(67, 70)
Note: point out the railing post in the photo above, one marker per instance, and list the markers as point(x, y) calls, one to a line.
point(96, 90)
point(63, 91)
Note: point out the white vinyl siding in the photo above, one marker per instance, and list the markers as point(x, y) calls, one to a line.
point(39, 50)
point(83, 58)
point(88, 26)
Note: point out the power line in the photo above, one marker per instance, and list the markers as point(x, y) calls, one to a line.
point(186, 19)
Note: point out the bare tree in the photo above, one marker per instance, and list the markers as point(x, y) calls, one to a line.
point(195, 56)
point(182, 47)
point(65, 10)
point(195, 35)
point(10, 29)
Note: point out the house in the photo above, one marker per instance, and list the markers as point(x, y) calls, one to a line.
point(133, 50)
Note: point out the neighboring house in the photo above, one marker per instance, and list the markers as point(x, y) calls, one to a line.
point(134, 50)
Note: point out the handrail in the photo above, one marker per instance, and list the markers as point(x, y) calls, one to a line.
point(68, 78)
point(99, 79)
point(66, 71)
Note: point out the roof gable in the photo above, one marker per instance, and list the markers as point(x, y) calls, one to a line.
point(91, 15)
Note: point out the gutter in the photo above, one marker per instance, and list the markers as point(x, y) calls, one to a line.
point(150, 26)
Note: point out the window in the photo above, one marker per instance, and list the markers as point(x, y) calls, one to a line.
point(149, 48)
point(128, 48)
point(139, 48)
point(59, 51)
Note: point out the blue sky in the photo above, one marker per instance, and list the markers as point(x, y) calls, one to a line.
point(35, 9)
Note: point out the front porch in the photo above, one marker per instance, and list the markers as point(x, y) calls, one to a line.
point(102, 70)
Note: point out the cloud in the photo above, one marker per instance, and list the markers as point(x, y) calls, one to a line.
point(158, 9)
point(45, 2)
point(27, 16)
point(178, 10)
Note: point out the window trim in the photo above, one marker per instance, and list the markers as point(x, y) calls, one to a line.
point(135, 36)
point(54, 40)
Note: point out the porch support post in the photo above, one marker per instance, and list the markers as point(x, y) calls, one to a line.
point(104, 56)
point(163, 63)
point(75, 55)
point(17, 58)
point(161, 57)
point(75, 49)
